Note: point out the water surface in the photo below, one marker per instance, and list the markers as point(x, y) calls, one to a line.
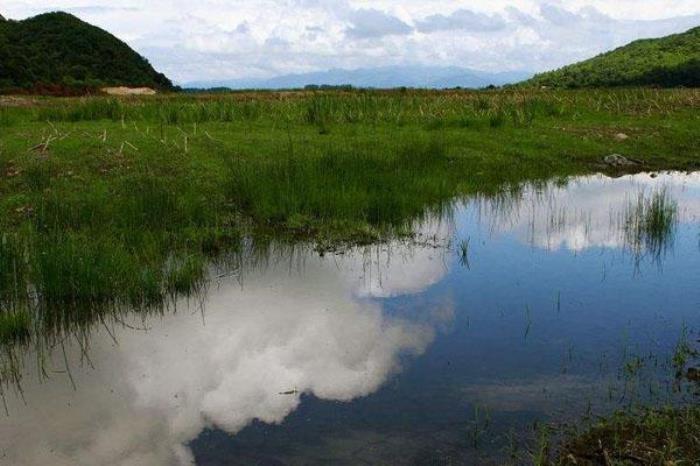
point(547, 304)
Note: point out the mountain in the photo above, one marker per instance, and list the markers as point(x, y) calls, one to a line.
point(667, 62)
point(383, 77)
point(58, 49)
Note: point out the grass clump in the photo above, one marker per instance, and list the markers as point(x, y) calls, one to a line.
point(15, 327)
point(661, 436)
point(355, 185)
point(650, 223)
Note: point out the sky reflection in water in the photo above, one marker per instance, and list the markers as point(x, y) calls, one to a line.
point(385, 353)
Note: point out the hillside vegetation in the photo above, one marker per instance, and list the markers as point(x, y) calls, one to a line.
point(59, 50)
point(666, 62)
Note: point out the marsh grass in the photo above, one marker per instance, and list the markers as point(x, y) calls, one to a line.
point(83, 249)
point(14, 327)
point(541, 454)
point(463, 252)
point(662, 436)
point(360, 185)
point(682, 354)
point(649, 224)
point(516, 107)
point(108, 203)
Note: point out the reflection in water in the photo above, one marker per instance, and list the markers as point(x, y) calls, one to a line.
point(649, 224)
point(263, 344)
point(636, 212)
point(296, 329)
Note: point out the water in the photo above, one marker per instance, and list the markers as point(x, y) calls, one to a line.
point(547, 305)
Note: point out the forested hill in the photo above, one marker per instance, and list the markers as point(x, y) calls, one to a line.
point(666, 62)
point(58, 49)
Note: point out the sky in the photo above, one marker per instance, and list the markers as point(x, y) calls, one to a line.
point(241, 39)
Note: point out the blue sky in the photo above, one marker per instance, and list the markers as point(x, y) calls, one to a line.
point(228, 39)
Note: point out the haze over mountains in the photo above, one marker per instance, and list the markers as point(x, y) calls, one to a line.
point(416, 76)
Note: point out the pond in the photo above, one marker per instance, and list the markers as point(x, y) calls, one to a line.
point(544, 306)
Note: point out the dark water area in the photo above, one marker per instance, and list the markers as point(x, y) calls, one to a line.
point(542, 307)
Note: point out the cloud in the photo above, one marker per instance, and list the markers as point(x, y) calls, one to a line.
point(98, 10)
point(558, 16)
point(398, 269)
point(371, 23)
point(284, 331)
point(461, 19)
point(214, 40)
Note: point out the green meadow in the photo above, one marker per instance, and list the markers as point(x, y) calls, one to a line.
point(108, 202)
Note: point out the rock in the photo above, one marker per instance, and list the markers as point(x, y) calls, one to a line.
point(621, 137)
point(617, 160)
point(693, 374)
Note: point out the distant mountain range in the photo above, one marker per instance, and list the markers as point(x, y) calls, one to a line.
point(382, 77)
point(59, 51)
point(670, 61)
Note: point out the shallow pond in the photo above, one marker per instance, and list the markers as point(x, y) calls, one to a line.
point(550, 304)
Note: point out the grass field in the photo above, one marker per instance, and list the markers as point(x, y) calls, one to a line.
point(109, 201)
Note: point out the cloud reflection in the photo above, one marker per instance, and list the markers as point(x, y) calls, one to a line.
point(587, 212)
point(263, 344)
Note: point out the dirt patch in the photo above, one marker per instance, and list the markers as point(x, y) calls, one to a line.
point(128, 90)
point(16, 101)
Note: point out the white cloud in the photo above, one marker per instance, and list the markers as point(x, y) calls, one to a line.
point(217, 39)
point(301, 324)
point(462, 20)
point(371, 23)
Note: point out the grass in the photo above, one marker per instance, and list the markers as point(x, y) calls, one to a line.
point(463, 252)
point(651, 436)
point(14, 327)
point(108, 203)
point(650, 224)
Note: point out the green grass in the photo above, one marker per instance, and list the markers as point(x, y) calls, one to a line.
point(650, 224)
point(14, 327)
point(112, 203)
point(658, 436)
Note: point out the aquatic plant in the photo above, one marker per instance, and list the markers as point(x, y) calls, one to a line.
point(464, 252)
point(649, 224)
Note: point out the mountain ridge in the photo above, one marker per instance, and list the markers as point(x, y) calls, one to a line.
point(668, 61)
point(417, 76)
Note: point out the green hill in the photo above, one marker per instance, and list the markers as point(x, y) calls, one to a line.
point(667, 62)
point(58, 49)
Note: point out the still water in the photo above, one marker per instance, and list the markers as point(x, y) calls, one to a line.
point(551, 304)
